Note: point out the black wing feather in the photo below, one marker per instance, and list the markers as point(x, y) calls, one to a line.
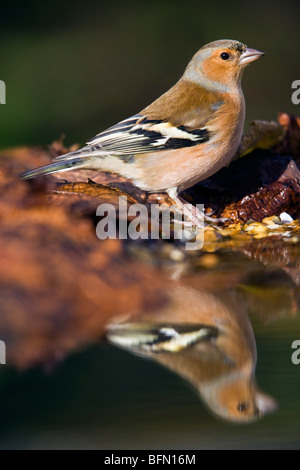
point(139, 135)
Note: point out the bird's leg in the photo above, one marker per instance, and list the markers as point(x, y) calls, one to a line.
point(220, 220)
point(196, 216)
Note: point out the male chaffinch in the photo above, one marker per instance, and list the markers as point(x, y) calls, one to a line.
point(212, 347)
point(183, 137)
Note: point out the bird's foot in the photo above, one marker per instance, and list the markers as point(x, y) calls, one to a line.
point(218, 220)
point(197, 217)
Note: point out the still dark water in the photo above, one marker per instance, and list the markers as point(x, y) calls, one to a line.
point(106, 397)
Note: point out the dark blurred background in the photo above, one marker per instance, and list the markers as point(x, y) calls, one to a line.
point(75, 68)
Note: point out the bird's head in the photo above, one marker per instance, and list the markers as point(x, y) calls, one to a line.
point(219, 64)
point(237, 399)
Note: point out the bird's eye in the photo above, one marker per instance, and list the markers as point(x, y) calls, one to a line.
point(224, 56)
point(242, 406)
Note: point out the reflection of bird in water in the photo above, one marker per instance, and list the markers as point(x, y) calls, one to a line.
point(207, 339)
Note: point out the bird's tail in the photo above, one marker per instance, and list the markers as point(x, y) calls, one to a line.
point(55, 167)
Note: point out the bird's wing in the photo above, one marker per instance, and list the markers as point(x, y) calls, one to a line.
point(138, 135)
point(155, 337)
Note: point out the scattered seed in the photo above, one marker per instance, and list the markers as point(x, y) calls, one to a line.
point(256, 228)
point(285, 218)
point(272, 222)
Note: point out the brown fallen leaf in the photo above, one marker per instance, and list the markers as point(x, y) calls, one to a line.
point(103, 192)
point(262, 135)
point(259, 185)
point(291, 143)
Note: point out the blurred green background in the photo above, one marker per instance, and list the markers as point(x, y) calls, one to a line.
point(75, 68)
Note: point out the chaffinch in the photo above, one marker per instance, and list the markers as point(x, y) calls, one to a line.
point(184, 136)
point(212, 347)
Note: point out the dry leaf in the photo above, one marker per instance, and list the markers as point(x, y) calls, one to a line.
point(261, 134)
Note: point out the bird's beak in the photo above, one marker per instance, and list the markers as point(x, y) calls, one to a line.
point(249, 55)
point(265, 404)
